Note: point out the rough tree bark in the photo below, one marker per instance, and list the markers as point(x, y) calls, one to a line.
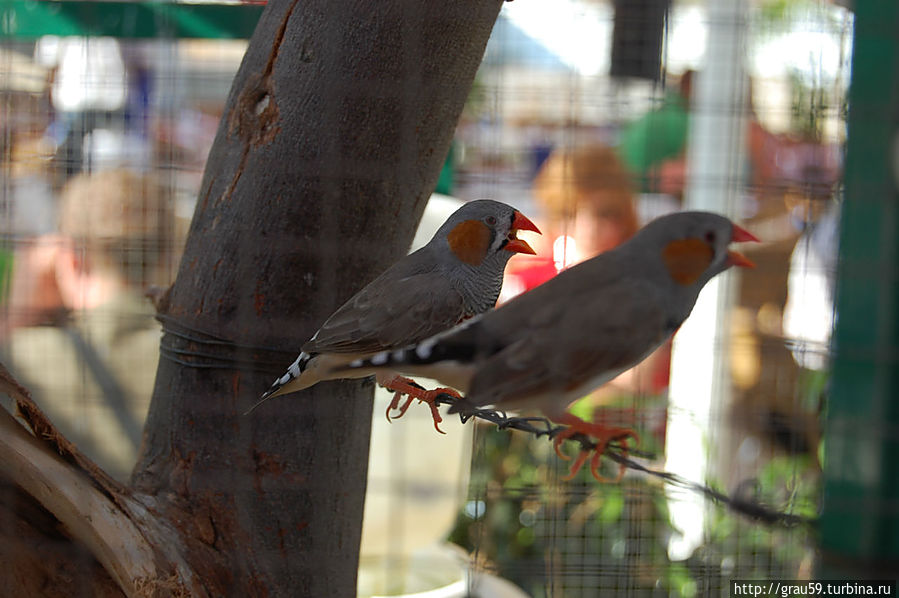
point(334, 133)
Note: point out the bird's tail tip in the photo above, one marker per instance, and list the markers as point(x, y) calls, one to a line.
point(271, 392)
point(266, 396)
point(293, 372)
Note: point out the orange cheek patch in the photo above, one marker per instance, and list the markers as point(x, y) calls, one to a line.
point(687, 259)
point(469, 241)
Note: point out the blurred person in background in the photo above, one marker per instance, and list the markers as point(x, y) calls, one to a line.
point(586, 193)
point(100, 93)
point(588, 206)
point(654, 146)
point(86, 343)
point(659, 136)
point(809, 314)
point(27, 202)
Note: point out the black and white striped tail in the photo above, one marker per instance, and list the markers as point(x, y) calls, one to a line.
point(385, 359)
point(458, 344)
point(433, 350)
point(292, 373)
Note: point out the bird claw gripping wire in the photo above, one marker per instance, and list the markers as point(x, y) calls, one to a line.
point(603, 435)
point(404, 386)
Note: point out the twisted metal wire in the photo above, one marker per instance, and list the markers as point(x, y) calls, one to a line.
point(540, 426)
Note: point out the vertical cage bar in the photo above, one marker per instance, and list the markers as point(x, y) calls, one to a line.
point(860, 519)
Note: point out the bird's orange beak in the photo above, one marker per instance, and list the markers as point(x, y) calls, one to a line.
point(740, 235)
point(516, 245)
point(739, 260)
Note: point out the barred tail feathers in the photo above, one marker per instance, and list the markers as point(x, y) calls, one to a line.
point(450, 364)
point(415, 355)
point(285, 383)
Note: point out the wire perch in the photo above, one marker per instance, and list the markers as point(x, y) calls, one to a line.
point(540, 426)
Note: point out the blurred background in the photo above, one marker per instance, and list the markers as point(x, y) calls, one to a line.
point(590, 116)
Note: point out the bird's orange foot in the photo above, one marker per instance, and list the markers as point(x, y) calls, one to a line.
point(395, 404)
point(405, 386)
point(603, 435)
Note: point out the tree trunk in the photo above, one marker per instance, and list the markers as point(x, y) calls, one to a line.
point(334, 133)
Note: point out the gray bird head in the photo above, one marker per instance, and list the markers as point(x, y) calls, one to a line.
point(484, 229)
point(692, 247)
point(478, 239)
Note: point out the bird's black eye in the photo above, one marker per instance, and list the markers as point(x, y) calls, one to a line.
point(710, 237)
point(490, 220)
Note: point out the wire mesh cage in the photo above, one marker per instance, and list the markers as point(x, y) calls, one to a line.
point(593, 116)
point(768, 150)
point(106, 139)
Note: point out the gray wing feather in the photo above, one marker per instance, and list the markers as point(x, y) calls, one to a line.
point(390, 313)
point(562, 348)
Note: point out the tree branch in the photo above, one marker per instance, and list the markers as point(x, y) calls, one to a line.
point(140, 551)
point(72, 494)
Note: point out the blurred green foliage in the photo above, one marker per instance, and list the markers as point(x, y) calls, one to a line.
point(579, 538)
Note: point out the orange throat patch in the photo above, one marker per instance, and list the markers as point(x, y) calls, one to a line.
point(687, 259)
point(469, 241)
